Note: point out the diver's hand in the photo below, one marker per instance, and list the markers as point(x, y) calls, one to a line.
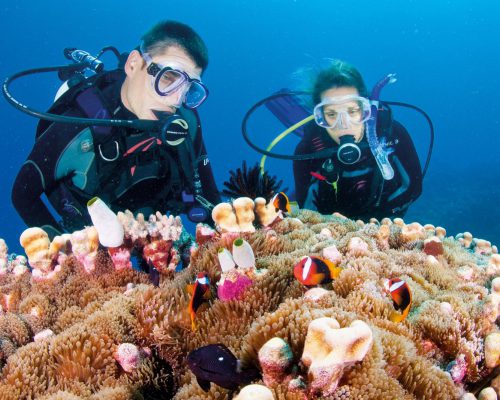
point(323, 198)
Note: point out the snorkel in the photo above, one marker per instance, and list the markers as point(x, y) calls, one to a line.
point(379, 153)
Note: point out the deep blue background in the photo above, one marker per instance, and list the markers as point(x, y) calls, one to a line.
point(444, 52)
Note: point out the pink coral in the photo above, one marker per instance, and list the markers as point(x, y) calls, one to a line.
point(204, 234)
point(433, 246)
point(357, 247)
point(160, 254)
point(46, 333)
point(130, 356)
point(457, 368)
point(332, 254)
point(120, 257)
point(275, 359)
point(232, 285)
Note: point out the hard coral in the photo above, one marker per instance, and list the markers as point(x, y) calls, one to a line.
point(329, 349)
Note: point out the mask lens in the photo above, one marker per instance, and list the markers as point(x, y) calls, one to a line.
point(344, 110)
point(168, 80)
point(196, 95)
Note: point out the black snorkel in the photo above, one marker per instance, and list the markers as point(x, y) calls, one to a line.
point(74, 74)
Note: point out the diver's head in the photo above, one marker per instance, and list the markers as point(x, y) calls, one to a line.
point(339, 94)
point(338, 74)
point(164, 73)
point(342, 112)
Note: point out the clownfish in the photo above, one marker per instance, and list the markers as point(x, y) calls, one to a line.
point(312, 271)
point(200, 291)
point(401, 297)
point(281, 202)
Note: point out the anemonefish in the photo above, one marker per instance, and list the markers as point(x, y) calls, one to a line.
point(281, 202)
point(313, 271)
point(401, 297)
point(200, 291)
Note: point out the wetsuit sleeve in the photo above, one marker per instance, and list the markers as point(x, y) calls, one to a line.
point(302, 172)
point(210, 191)
point(37, 175)
point(407, 161)
point(26, 192)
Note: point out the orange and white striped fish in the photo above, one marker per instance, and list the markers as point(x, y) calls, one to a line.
point(401, 297)
point(312, 271)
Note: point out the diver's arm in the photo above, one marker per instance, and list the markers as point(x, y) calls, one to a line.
point(302, 173)
point(28, 187)
point(210, 191)
point(407, 163)
point(38, 174)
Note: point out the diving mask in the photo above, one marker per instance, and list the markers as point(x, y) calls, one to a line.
point(166, 80)
point(341, 112)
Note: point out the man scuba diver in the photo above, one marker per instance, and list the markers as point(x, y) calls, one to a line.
point(354, 158)
point(146, 155)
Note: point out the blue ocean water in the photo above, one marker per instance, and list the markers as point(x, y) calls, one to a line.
point(444, 52)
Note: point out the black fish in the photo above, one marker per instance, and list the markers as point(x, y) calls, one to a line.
point(215, 363)
point(154, 275)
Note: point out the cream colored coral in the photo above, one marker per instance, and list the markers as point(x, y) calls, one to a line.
point(487, 394)
point(225, 218)
point(243, 207)
point(357, 247)
point(332, 254)
point(36, 242)
point(255, 392)
point(466, 239)
point(491, 308)
point(266, 213)
point(413, 232)
point(383, 235)
point(492, 350)
point(440, 232)
point(237, 217)
point(275, 359)
point(493, 268)
point(329, 349)
point(315, 294)
point(483, 247)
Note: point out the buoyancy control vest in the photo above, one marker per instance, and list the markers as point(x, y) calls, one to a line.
point(124, 158)
point(366, 184)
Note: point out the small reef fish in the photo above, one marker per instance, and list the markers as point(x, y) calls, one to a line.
point(154, 274)
point(216, 363)
point(401, 297)
point(200, 291)
point(281, 202)
point(312, 271)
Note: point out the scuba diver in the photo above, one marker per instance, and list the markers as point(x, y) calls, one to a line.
point(130, 136)
point(353, 157)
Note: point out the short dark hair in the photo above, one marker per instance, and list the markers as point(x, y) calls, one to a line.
point(338, 74)
point(172, 33)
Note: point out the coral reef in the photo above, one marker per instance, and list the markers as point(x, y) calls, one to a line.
point(82, 322)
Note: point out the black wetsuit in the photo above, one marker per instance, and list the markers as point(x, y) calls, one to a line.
point(361, 192)
point(131, 170)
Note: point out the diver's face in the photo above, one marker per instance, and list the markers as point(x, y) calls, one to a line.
point(344, 126)
point(138, 94)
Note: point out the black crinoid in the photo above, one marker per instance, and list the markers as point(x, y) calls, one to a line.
point(251, 183)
